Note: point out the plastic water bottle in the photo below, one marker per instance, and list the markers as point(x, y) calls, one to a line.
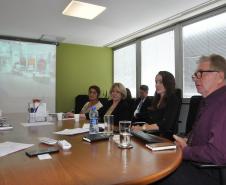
point(93, 117)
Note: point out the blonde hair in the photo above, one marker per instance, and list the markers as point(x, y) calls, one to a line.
point(121, 88)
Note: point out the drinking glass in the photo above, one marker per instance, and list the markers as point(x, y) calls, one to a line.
point(108, 124)
point(124, 131)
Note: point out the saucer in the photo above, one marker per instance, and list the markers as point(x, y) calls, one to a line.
point(125, 147)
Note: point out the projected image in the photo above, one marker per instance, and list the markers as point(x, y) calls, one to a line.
point(27, 71)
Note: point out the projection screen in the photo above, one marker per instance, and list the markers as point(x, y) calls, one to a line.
point(27, 71)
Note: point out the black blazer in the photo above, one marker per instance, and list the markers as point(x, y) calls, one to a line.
point(121, 111)
point(165, 117)
point(142, 115)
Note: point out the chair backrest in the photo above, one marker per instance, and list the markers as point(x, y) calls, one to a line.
point(223, 176)
point(192, 112)
point(174, 129)
point(80, 100)
point(103, 100)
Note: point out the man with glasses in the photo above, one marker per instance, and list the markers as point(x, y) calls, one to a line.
point(206, 142)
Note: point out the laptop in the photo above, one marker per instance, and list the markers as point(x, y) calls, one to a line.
point(147, 138)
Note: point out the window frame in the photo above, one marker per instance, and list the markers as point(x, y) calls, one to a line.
point(178, 43)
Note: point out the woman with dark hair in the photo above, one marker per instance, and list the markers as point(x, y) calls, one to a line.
point(165, 104)
point(93, 94)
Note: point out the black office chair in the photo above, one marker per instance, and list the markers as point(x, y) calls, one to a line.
point(220, 168)
point(193, 109)
point(80, 100)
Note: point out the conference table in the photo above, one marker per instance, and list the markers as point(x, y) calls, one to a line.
point(98, 163)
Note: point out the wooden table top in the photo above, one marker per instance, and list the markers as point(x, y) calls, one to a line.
point(99, 163)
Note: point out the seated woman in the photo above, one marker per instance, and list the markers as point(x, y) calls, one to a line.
point(117, 106)
point(93, 93)
point(162, 113)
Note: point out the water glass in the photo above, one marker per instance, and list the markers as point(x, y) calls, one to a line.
point(124, 131)
point(108, 124)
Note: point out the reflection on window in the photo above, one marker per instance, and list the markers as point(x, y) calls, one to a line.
point(201, 38)
point(157, 54)
point(125, 67)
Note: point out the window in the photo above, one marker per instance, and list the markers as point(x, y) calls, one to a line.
point(157, 54)
point(201, 38)
point(125, 67)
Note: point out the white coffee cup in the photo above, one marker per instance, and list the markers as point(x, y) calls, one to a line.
point(76, 117)
point(60, 115)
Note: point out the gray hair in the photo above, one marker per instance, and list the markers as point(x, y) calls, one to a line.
point(217, 62)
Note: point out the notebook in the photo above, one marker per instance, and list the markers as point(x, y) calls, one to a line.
point(146, 137)
point(161, 146)
point(95, 137)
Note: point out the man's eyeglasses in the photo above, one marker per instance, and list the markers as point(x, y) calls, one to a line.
point(198, 74)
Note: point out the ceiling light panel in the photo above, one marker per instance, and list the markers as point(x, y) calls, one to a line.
point(83, 10)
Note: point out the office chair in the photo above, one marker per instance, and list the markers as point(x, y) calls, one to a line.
point(80, 101)
point(221, 169)
point(193, 109)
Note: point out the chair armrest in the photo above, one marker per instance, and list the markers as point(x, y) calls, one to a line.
point(208, 165)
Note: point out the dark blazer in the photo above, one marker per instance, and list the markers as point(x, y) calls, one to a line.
point(165, 117)
point(121, 111)
point(142, 115)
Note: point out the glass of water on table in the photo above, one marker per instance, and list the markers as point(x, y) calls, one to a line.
point(124, 131)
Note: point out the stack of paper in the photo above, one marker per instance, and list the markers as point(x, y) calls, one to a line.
point(10, 147)
point(72, 131)
point(36, 124)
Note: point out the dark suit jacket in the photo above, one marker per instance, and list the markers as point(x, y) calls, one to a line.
point(165, 117)
point(121, 111)
point(142, 115)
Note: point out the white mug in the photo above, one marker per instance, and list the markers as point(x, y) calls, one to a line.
point(60, 115)
point(76, 117)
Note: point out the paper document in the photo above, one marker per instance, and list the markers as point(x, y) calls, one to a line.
point(86, 125)
point(10, 147)
point(44, 156)
point(64, 119)
point(37, 124)
point(72, 131)
point(6, 128)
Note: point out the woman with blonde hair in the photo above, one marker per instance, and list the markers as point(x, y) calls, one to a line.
point(117, 105)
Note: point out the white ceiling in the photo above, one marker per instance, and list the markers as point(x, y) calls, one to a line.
point(33, 18)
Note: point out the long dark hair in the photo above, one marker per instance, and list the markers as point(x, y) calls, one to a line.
point(169, 83)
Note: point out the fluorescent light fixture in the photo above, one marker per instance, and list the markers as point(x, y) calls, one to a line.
point(83, 10)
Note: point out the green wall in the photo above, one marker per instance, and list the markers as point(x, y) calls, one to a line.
point(78, 67)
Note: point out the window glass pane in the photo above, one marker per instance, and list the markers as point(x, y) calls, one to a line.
point(157, 54)
point(202, 38)
point(125, 67)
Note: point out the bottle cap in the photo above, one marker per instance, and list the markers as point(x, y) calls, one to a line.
point(93, 108)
